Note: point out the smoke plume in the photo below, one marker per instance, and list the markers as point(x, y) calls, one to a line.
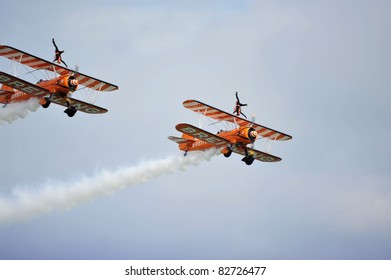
point(14, 111)
point(25, 203)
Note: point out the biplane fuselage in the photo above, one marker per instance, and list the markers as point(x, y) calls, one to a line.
point(239, 137)
point(62, 85)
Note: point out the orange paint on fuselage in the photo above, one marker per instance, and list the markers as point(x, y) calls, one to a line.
point(57, 85)
point(238, 136)
point(13, 96)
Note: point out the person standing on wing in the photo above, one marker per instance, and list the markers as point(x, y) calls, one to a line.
point(238, 106)
point(57, 55)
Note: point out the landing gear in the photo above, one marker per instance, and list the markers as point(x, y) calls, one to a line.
point(248, 159)
point(70, 111)
point(47, 102)
point(228, 153)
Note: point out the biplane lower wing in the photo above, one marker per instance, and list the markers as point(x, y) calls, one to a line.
point(258, 155)
point(219, 115)
point(22, 85)
point(78, 104)
point(42, 64)
point(201, 134)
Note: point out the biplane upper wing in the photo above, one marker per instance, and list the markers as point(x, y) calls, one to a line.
point(42, 64)
point(201, 134)
point(217, 114)
point(22, 85)
point(78, 104)
point(258, 155)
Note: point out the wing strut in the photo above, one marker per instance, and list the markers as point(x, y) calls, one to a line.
point(270, 143)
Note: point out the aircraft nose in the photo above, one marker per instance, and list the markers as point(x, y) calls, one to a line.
point(74, 82)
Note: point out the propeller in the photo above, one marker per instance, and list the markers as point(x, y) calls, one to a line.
point(252, 124)
point(73, 82)
point(76, 70)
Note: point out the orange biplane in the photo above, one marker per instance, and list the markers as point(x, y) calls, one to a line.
point(56, 90)
point(235, 140)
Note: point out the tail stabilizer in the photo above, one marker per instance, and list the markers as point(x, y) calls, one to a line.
point(179, 140)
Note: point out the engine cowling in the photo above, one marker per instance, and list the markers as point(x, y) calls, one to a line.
point(72, 83)
point(249, 133)
point(69, 82)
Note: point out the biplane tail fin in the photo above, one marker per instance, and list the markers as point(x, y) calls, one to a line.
point(5, 94)
point(184, 143)
point(6, 89)
point(189, 137)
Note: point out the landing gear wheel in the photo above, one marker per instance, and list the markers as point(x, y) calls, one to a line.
point(228, 154)
point(71, 111)
point(47, 102)
point(248, 159)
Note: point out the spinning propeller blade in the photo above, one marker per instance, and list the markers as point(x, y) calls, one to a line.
point(252, 123)
point(76, 70)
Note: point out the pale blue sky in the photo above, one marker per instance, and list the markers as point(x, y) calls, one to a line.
point(317, 70)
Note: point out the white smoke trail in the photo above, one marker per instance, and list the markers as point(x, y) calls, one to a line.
point(14, 111)
point(24, 204)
